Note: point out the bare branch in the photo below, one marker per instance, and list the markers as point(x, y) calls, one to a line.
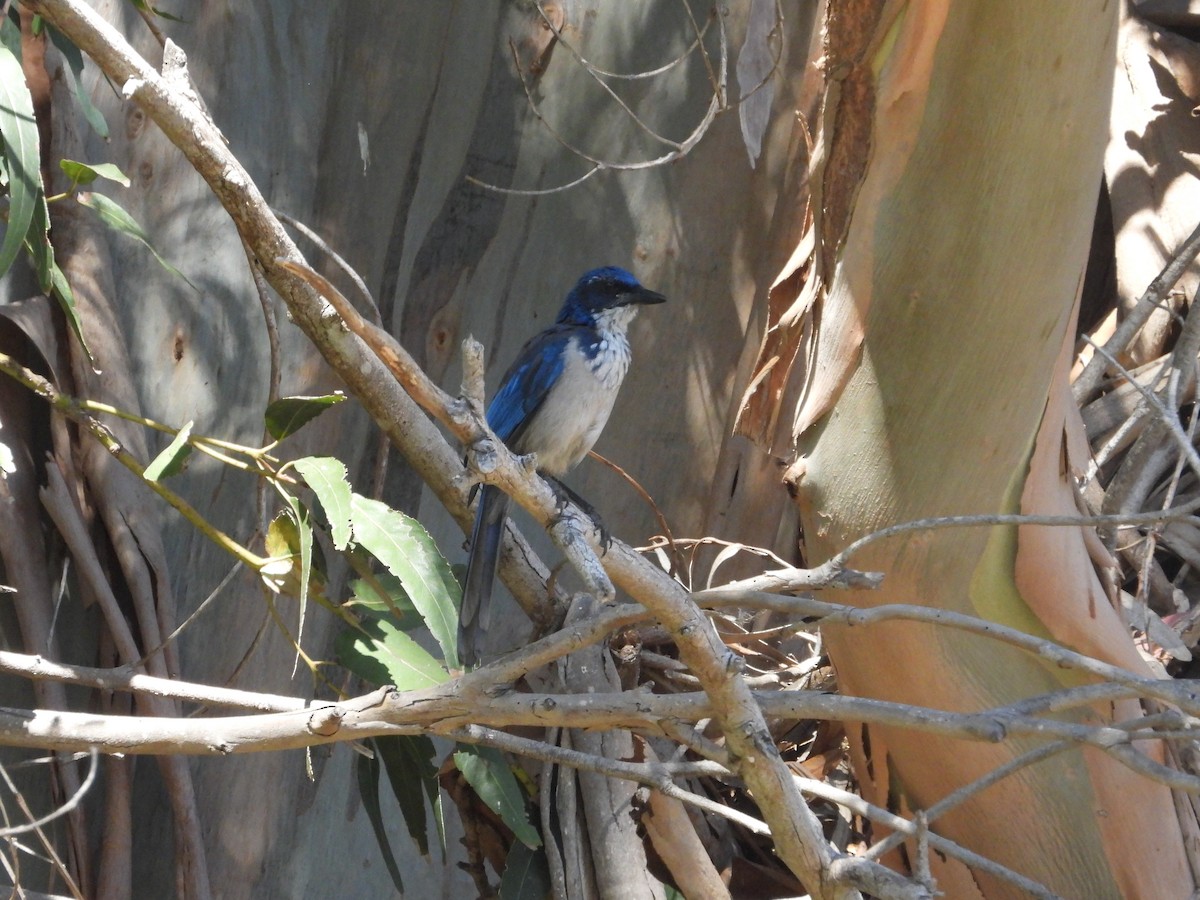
point(63, 808)
point(1089, 379)
point(678, 148)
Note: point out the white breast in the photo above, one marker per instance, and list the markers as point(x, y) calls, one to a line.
point(573, 415)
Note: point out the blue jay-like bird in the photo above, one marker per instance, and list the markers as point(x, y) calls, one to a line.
point(553, 401)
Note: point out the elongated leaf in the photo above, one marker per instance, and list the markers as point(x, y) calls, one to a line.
point(381, 653)
point(526, 874)
point(368, 791)
point(303, 522)
point(366, 594)
point(50, 277)
point(283, 543)
point(74, 60)
point(37, 244)
point(86, 173)
point(394, 604)
point(18, 129)
point(329, 481)
point(488, 773)
point(170, 461)
point(142, 4)
point(288, 415)
point(113, 215)
point(405, 547)
point(66, 301)
point(408, 761)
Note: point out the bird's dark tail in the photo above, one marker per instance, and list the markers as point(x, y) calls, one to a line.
point(482, 560)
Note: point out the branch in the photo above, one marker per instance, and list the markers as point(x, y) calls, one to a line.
point(1182, 694)
point(73, 801)
point(455, 705)
point(752, 752)
point(73, 410)
point(1093, 373)
point(678, 149)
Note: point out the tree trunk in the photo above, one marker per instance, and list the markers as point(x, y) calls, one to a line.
point(364, 122)
point(955, 184)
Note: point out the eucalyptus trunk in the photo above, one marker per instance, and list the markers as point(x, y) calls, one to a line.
point(954, 183)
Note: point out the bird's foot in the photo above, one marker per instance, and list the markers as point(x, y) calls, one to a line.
point(566, 496)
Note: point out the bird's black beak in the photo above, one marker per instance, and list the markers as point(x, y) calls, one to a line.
point(643, 296)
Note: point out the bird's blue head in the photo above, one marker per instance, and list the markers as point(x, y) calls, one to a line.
point(602, 289)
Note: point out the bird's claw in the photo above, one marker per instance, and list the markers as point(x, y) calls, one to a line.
point(564, 497)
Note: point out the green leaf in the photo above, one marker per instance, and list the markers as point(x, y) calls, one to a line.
point(37, 243)
point(329, 481)
point(86, 173)
point(368, 790)
point(284, 543)
point(381, 653)
point(396, 605)
point(288, 415)
point(66, 300)
point(171, 460)
point(18, 129)
point(303, 523)
point(74, 60)
point(50, 277)
point(113, 215)
point(408, 761)
point(488, 773)
point(526, 875)
point(153, 10)
point(405, 547)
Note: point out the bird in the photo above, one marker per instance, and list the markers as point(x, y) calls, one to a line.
point(553, 402)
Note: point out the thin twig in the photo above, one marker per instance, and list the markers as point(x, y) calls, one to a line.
point(904, 828)
point(63, 808)
point(657, 775)
point(73, 410)
point(595, 70)
point(679, 148)
point(348, 270)
point(1093, 373)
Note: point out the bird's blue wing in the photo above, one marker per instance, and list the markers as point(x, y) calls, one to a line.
point(525, 386)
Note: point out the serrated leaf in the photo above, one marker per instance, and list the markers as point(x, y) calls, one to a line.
point(329, 480)
point(406, 549)
point(113, 215)
point(74, 59)
point(86, 173)
point(288, 415)
point(526, 874)
point(381, 653)
point(488, 773)
point(408, 761)
point(367, 769)
point(171, 460)
point(18, 129)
